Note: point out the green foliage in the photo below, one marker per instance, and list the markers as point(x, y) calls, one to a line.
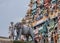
point(20, 42)
point(17, 42)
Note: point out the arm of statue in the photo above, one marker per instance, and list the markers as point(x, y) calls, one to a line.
point(20, 33)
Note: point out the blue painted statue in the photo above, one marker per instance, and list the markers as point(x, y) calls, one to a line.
point(24, 30)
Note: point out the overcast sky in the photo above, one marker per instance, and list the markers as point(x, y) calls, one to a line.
point(11, 10)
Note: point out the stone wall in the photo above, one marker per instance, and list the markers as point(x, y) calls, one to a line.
point(5, 40)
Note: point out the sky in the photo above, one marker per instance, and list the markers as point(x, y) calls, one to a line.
point(11, 10)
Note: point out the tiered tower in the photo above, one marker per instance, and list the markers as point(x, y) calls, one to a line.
point(41, 10)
